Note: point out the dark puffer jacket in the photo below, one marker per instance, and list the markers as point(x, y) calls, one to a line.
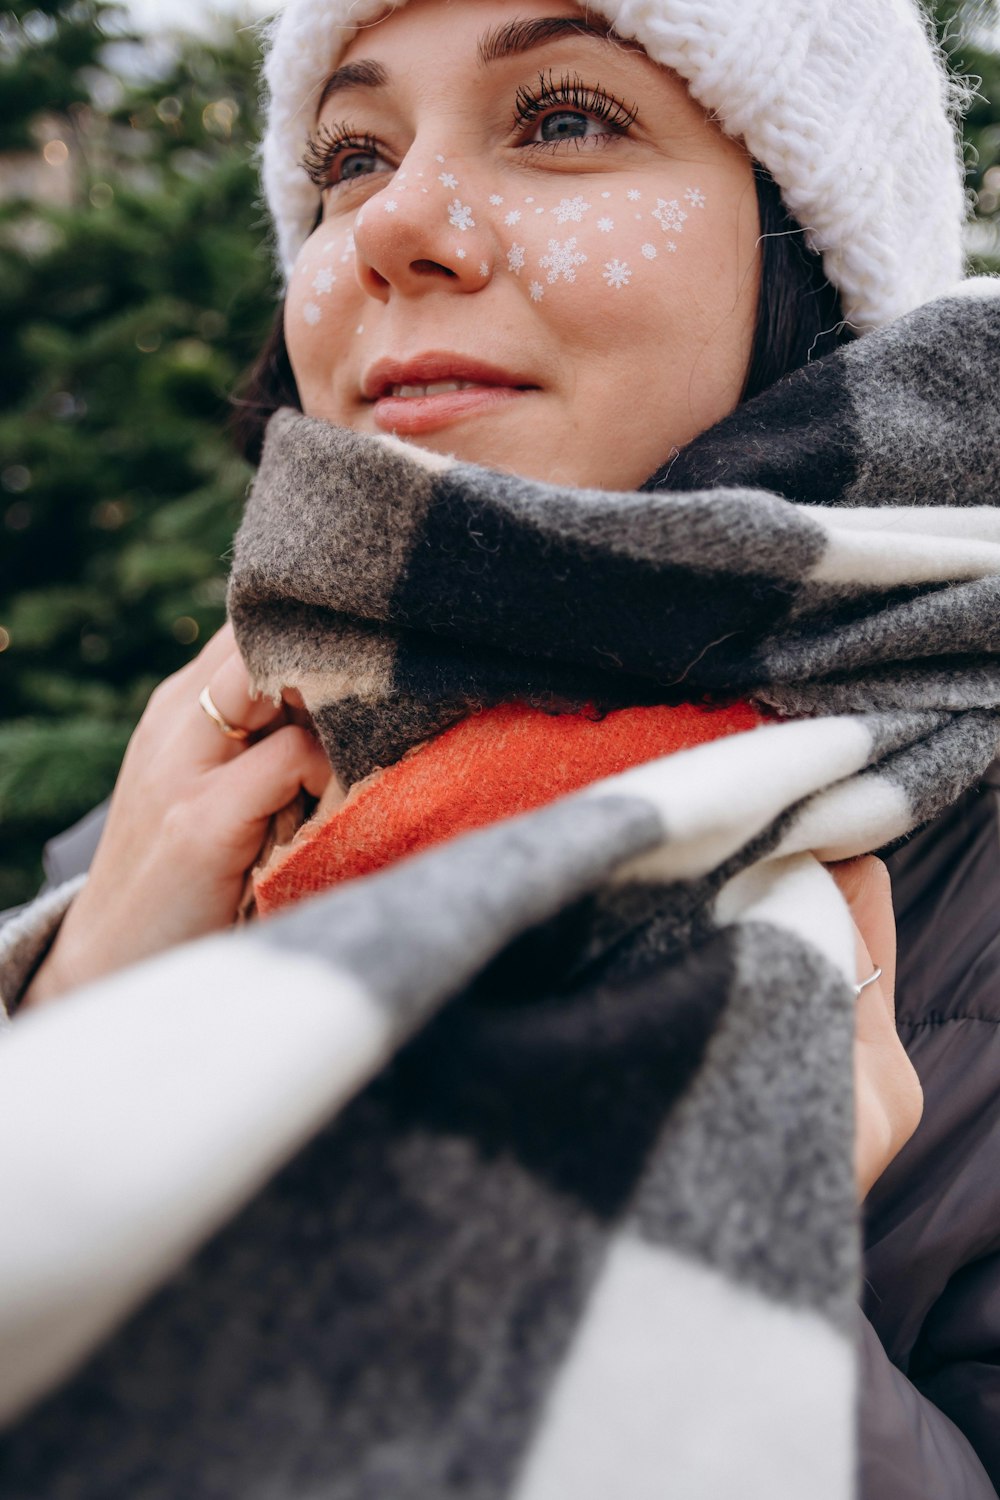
point(932, 1221)
point(930, 1389)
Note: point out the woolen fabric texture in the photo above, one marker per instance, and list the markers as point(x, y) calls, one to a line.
point(928, 1401)
point(847, 103)
point(564, 1106)
point(398, 590)
point(500, 762)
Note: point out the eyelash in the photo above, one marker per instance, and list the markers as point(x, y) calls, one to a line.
point(570, 93)
point(323, 148)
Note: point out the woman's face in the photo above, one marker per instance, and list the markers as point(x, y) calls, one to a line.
point(536, 252)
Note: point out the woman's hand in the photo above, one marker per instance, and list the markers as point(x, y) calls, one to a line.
point(888, 1098)
point(187, 818)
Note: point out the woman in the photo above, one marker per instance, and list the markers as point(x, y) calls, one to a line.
point(490, 262)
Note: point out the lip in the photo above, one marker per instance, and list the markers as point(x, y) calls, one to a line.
point(423, 369)
point(491, 387)
point(409, 415)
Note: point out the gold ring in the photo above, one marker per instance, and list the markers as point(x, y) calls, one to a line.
point(231, 731)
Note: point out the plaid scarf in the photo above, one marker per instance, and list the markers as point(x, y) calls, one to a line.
point(564, 1105)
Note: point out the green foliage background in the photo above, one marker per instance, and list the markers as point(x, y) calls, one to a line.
point(126, 316)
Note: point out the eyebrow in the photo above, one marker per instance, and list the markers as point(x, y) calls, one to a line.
point(516, 37)
point(366, 74)
point(509, 40)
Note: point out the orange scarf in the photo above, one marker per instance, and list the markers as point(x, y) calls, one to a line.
point(503, 761)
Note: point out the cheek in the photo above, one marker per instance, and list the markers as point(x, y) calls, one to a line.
point(597, 252)
point(625, 272)
point(322, 291)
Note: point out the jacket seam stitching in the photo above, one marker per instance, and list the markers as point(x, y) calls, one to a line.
point(944, 1020)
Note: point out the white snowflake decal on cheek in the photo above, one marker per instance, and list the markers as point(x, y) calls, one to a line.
point(514, 217)
point(649, 251)
point(496, 200)
point(390, 205)
point(633, 195)
point(696, 197)
point(460, 216)
point(562, 260)
point(323, 281)
point(515, 259)
point(536, 291)
point(605, 225)
point(570, 210)
point(446, 179)
point(484, 268)
point(670, 215)
point(312, 313)
point(617, 273)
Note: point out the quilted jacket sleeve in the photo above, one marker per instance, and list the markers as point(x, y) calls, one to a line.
point(25, 938)
point(27, 932)
point(932, 1230)
point(958, 1357)
point(907, 1448)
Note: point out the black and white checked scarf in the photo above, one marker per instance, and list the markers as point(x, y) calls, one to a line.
point(523, 1171)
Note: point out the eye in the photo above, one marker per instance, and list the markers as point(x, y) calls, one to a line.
point(356, 164)
point(567, 109)
point(334, 158)
point(566, 125)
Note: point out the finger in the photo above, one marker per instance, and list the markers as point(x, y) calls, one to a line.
point(874, 1017)
point(866, 887)
point(230, 692)
point(212, 654)
point(880, 931)
point(176, 689)
point(270, 773)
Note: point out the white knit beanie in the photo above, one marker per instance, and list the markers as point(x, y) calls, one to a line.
point(847, 103)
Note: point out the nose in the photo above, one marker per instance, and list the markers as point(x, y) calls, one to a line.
point(426, 230)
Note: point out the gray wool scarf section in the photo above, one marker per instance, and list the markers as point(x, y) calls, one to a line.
point(523, 1170)
point(400, 591)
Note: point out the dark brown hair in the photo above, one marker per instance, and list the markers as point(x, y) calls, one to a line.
point(799, 318)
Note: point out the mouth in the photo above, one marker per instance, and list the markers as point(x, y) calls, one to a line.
point(434, 390)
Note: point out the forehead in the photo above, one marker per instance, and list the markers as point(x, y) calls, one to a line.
point(456, 50)
point(471, 29)
point(443, 40)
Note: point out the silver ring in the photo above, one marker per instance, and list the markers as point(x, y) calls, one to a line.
point(231, 731)
point(866, 982)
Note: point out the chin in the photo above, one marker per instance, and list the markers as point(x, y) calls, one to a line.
point(524, 454)
point(509, 452)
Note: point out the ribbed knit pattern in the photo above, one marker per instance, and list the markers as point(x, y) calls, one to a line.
point(846, 102)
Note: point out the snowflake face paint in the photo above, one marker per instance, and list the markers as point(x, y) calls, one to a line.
point(560, 259)
point(547, 263)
